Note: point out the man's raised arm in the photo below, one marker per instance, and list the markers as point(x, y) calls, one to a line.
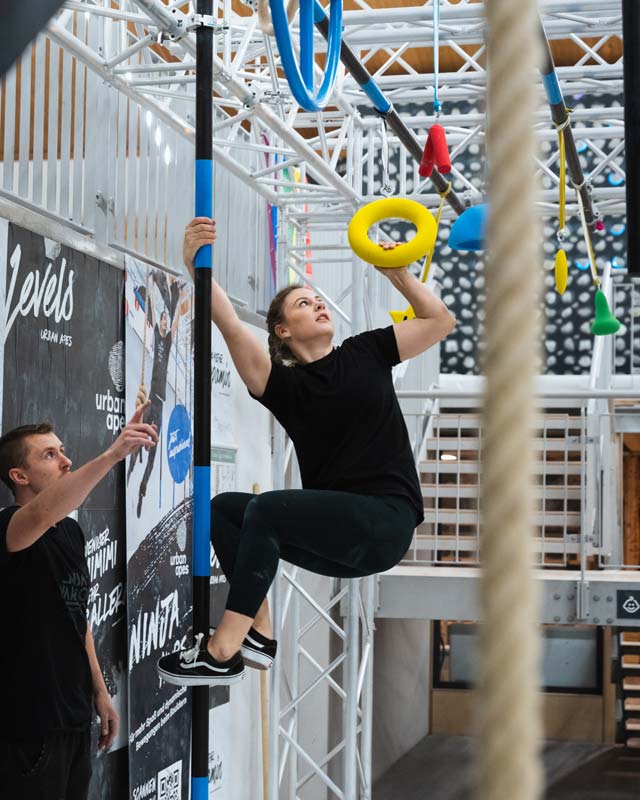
point(56, 502)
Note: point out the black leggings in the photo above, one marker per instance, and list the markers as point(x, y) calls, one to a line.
point(340, 534)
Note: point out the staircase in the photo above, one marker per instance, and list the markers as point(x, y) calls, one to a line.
point(450, 477)
point(629, 687)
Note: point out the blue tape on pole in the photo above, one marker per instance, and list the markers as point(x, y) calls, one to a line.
point(201, 521)
point(552, 88)
point(199, 788)
point(204, 205)
point(372, 90)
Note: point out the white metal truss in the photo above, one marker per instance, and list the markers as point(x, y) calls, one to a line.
point(260, 133)
point(317, 168)
point(140, 62)
point(332, 756)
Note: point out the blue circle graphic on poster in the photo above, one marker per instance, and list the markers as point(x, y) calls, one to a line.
point(179, 443)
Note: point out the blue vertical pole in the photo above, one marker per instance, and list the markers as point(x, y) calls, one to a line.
point(202, 396)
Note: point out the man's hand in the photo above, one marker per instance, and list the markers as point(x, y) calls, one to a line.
point(199, 232)
point(109, 719)
point(135, 434)
point(388, 271)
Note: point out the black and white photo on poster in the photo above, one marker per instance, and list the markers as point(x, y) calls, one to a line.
point(62, 336)
point(159, 512)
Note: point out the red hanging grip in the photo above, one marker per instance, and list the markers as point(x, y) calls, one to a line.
point(436, 153)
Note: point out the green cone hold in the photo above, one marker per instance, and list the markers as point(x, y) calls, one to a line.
point(604, 323)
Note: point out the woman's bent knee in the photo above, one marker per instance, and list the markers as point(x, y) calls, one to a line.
point(230, 504)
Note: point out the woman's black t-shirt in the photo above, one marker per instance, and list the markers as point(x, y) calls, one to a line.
point(45, 676)
point(345, 421)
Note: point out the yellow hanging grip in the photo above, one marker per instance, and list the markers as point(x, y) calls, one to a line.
point(561, 268)
point(386, 208)
point(562, 271)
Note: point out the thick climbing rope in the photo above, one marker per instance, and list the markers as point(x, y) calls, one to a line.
point(509, 721)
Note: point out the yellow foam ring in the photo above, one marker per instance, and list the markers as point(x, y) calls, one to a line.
point(386, 208)
point(401, 316)
point(561, 271)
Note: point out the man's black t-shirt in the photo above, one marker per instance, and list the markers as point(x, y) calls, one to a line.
point(345, 421)
point(45, 676)
point(161, 350)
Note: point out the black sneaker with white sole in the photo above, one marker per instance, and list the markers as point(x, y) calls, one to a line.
point(197, 667)
point(257, 651)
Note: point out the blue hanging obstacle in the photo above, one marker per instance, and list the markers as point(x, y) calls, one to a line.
point(300, 78)
point(467, 232)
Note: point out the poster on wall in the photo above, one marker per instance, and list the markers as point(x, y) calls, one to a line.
point(62, 338)
point(223, 479)
point(159, 361)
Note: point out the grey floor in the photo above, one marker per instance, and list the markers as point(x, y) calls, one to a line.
point(441, 768)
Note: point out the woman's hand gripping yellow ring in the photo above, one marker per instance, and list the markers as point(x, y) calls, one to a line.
point(386, 208)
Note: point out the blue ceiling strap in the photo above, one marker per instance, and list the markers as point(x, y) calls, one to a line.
point(300, 78)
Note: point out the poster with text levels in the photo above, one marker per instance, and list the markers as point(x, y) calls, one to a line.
point(62, 333)
point(158, 505)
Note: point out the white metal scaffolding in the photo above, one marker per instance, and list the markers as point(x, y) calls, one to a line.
point(122, 190)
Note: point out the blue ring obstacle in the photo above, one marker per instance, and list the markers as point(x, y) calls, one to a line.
point(300, 78)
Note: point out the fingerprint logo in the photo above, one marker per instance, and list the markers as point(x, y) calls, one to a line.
point(181, 534)
point(116, 365)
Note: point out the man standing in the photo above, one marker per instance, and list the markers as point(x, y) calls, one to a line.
point(50, 679)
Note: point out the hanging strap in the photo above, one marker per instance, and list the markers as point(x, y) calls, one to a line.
point(563, 185)
point(436, 56)
point(429, 256)
point(587, 238)
point(385, 187)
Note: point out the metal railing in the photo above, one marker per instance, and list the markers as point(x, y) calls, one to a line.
point(84, 154)
point(577, 483)
point(577, 475)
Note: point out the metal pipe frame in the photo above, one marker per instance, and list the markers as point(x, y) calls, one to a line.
point(251, 101)
point(355, 602)
point(244, 80)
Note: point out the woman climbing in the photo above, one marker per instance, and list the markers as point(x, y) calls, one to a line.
point(361, 499)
